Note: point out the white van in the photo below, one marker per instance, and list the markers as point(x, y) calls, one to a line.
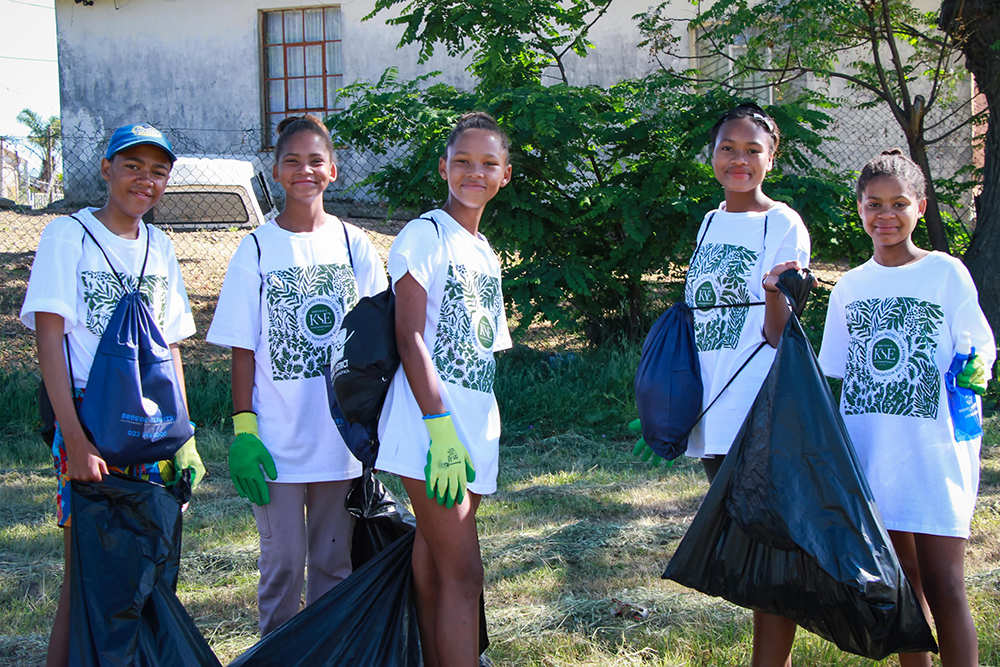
point(212, 193)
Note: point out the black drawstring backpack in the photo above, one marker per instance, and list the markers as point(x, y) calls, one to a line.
point(363, 360)
point(133, 410)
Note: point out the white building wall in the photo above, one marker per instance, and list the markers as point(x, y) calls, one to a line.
point(195, 66)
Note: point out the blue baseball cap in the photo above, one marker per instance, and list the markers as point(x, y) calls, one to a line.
point(133, 135)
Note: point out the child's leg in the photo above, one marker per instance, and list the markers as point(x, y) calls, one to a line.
point(906, 551)
point(448, 575)
point(282, 527)
point(772, 640)
point(427, 583)
point(329, 528)
point(58, 653)
point(942, 575)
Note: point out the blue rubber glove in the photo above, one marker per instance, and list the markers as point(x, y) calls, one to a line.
point(246, 456)
point(644, 451)
point(449, 467)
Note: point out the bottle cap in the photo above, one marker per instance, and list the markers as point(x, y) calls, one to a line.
point(964, 346)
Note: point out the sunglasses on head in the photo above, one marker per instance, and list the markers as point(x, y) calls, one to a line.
point(755, 112)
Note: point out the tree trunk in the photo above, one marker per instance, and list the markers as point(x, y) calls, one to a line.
point(976, 27)
point(983, 256)
point(932, 216)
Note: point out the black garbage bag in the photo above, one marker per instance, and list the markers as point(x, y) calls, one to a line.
point(126, 542)
point(668, 387)
point(370, 617)
point(367, 619)
point(380, 519)
point(790, 527)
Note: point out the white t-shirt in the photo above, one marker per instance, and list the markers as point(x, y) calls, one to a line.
point(70, 277)
point(465, 324)
point(727, 267)
point(289, 324)
point(891, 334)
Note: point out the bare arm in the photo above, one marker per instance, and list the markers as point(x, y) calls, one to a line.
point(776, 307)
point(175, 353)
point(243, 369)
point(82, 460)
point(411, 313)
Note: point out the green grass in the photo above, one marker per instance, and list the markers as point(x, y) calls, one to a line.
point(576, 523)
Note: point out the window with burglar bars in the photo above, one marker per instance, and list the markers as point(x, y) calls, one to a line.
point(303, 64)
point(718, 67)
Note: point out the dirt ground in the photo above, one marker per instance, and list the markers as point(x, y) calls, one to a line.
point(203, 256)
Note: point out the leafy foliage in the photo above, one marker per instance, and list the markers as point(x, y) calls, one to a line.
point(608, 185)
point(892, 53)
point(46, 135)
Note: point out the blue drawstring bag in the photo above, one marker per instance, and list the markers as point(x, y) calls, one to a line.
point(133, 409)
point(668, 388)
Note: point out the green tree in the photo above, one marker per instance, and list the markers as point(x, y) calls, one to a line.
point(46, 136)
point(513, 43)
point(885, 49)
point(975, 27)
point(609, 183)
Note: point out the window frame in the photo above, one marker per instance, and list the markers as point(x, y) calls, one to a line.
point(268, 120)
point(762, 94)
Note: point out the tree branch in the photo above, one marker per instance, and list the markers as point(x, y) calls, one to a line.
point(897, 61)
point(952, 131)
point(886, 92)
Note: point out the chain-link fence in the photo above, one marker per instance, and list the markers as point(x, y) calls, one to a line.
point(862, 134)
point(220, 188)
point(217, 196)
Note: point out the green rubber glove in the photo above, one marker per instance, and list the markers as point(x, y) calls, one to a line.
point(187, 458)
point(449, 468)
point(246, 455)
point(973, 376)
point(644, 451)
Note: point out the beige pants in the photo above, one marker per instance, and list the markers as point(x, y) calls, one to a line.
point(303, 525)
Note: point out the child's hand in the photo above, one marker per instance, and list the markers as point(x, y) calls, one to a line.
point(449, 467)
point(187, 457)
point(644, 451)
point(83, 463)
point(973, 376)
point(770, 282)
point(246, 456)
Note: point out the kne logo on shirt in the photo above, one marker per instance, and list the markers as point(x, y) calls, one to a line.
point(485, 334)
point(704, 296)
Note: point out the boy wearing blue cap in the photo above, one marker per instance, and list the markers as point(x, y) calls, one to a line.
point(82, 267)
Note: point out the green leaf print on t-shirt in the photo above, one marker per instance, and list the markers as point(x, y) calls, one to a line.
point(102, 292)
point(305, 306)
point(719, 275)
point(890, 359)
point(471, 308)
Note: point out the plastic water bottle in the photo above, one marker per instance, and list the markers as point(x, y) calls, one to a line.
point(962, 401)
